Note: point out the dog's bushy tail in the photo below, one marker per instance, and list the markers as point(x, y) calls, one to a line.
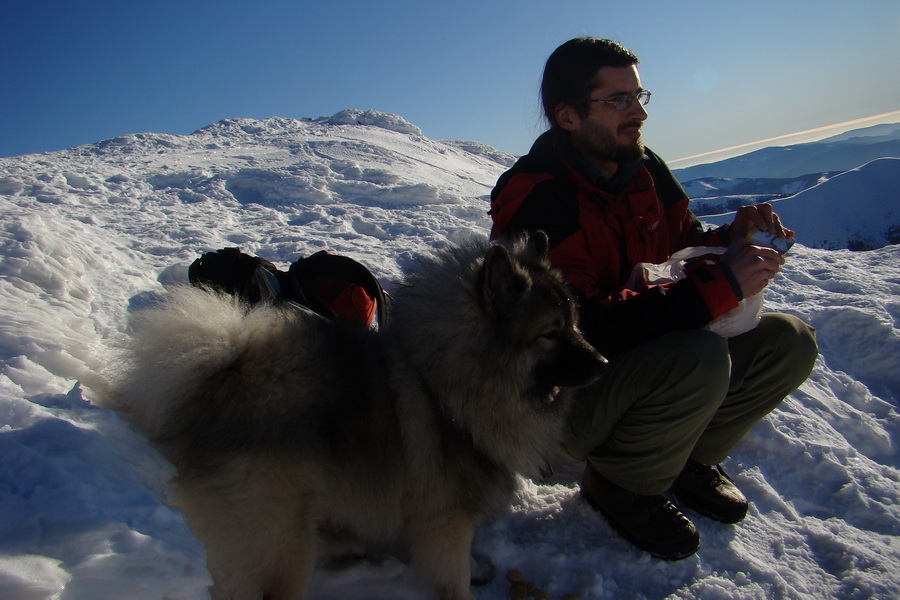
point(178, 347)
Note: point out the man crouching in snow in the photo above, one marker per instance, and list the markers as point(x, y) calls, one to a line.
point(676, 397)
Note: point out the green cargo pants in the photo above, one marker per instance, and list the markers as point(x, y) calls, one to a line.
point(688, 394)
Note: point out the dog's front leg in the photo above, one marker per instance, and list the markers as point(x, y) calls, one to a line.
point(440, 551)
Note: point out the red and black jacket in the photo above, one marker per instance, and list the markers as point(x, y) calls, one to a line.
point(598, 233)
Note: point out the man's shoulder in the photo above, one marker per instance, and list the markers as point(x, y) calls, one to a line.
point(540, 164)
point(654, 162)
point(542, 158)
point(551, 206)
point(669, 189)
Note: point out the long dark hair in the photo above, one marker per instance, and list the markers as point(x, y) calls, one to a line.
point(569, 75)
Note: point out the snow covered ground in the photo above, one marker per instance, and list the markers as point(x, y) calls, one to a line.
point(91, 233)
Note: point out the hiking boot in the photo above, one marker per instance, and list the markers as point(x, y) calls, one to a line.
point(710, 491)
point(651, 523)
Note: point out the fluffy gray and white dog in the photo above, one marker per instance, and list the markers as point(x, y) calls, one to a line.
point(279, 421)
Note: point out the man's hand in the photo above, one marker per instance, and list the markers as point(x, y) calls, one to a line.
point(752, 266)
point(757, 216)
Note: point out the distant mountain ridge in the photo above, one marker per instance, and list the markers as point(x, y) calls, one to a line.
point(713, 195)
point(885, 131)
point(837, 153)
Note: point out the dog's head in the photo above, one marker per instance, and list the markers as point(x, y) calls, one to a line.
point(490, 333)
point(534, 317)
point(487, 325)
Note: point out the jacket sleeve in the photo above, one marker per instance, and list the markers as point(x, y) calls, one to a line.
point(614, 321)
point(616, 326)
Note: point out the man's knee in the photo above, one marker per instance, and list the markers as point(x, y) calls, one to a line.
point(794, 339)
point(683, 373)
point(781, 349)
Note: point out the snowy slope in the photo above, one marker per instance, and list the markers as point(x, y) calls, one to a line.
point(712, 187)
point(858, 209)
point(90, 233)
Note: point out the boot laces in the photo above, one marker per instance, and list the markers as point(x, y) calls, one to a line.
point(712, 475)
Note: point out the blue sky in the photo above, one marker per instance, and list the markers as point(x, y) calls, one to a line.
point(722, 73)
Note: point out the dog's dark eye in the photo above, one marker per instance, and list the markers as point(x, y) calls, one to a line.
point(551, 336)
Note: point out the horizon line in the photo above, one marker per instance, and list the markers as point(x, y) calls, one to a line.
point(806, 132)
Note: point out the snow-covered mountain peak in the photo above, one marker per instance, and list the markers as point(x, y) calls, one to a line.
point(374, 118)
point(278, 126)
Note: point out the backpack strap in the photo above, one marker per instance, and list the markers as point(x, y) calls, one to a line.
point(337, 286)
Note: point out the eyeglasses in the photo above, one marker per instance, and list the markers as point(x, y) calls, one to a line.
point(623, 101)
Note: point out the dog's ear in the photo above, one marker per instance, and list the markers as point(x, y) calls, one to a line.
point(539, 245)
point(502, 280)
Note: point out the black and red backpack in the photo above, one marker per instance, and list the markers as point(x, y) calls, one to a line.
point(331, 285)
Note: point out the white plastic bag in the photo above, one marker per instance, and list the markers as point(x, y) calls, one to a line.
point(735, 322)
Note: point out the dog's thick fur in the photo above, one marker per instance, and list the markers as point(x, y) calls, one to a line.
point(279, 421)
